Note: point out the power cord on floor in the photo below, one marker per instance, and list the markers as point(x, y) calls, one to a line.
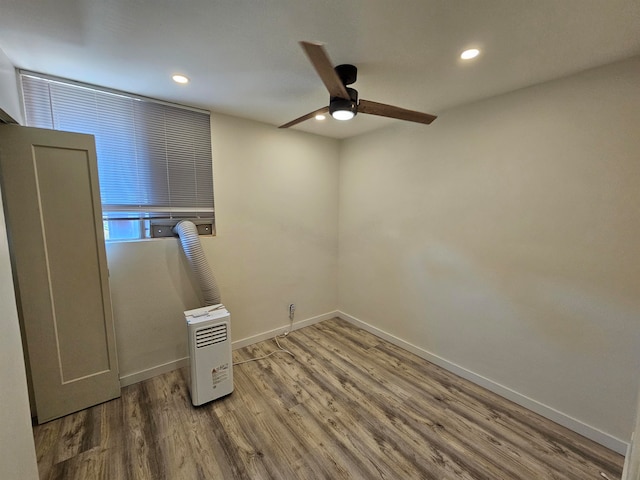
point(280, 349)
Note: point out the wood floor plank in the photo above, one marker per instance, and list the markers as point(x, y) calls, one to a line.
point(216, 447)
point(348, 406)
point(324, 435)
point(200, 447)
point(376, 411)
point(109, 416)
point(451, 428)
point(376, 398)
point(140, 442)
point(96, 464)
point(287, 456)
point(46, 439)
point(527, 430)
point(550, 439)
point(75, 437)
point(356, 440)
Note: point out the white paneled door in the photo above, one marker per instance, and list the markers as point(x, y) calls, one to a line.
point(54, 221)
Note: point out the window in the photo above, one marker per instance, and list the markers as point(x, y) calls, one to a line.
point(154, 158)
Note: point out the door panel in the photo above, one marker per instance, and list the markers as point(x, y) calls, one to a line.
point(71, 241)
point(54, 217)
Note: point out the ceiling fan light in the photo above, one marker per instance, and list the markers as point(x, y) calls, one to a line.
point(343, 114)
point(342, 108)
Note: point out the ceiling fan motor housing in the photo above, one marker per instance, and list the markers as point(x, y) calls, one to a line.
point(347, 73)
point(351, 105)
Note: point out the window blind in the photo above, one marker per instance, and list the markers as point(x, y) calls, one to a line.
point(154, 159)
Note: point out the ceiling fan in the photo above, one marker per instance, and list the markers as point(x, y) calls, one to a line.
point(343, 101)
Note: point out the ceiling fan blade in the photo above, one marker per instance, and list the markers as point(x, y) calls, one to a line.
point(383, 110)
point(321, 62)
point(305, 117)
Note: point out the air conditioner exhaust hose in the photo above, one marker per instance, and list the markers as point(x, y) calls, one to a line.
point(190, 241)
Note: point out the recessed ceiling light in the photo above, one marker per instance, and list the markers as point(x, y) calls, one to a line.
point(469, 54)
point(180, 79)
point(320, 117)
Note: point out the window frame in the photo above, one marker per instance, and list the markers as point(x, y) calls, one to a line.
point(143, 215)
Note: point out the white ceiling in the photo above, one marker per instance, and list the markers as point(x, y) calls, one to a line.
point(244, 59)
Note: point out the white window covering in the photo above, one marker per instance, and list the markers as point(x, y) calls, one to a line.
point(154, 159)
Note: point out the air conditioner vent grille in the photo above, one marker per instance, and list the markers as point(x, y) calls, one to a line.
point(211, 335)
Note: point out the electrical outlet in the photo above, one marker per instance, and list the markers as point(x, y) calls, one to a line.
point(292, 309)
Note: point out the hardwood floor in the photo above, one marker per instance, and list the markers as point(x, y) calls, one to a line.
point(348, 406)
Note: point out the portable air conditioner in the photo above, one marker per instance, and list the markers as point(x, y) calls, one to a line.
point(210, 364)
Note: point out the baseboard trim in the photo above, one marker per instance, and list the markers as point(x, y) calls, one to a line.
point(280, 330)
point(556, 416)
point(148, 373)
point(627, 461)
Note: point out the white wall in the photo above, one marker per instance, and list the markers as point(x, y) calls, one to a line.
point(504, 238)
point(18, 459)
point(276, 195)
point(10, 110)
